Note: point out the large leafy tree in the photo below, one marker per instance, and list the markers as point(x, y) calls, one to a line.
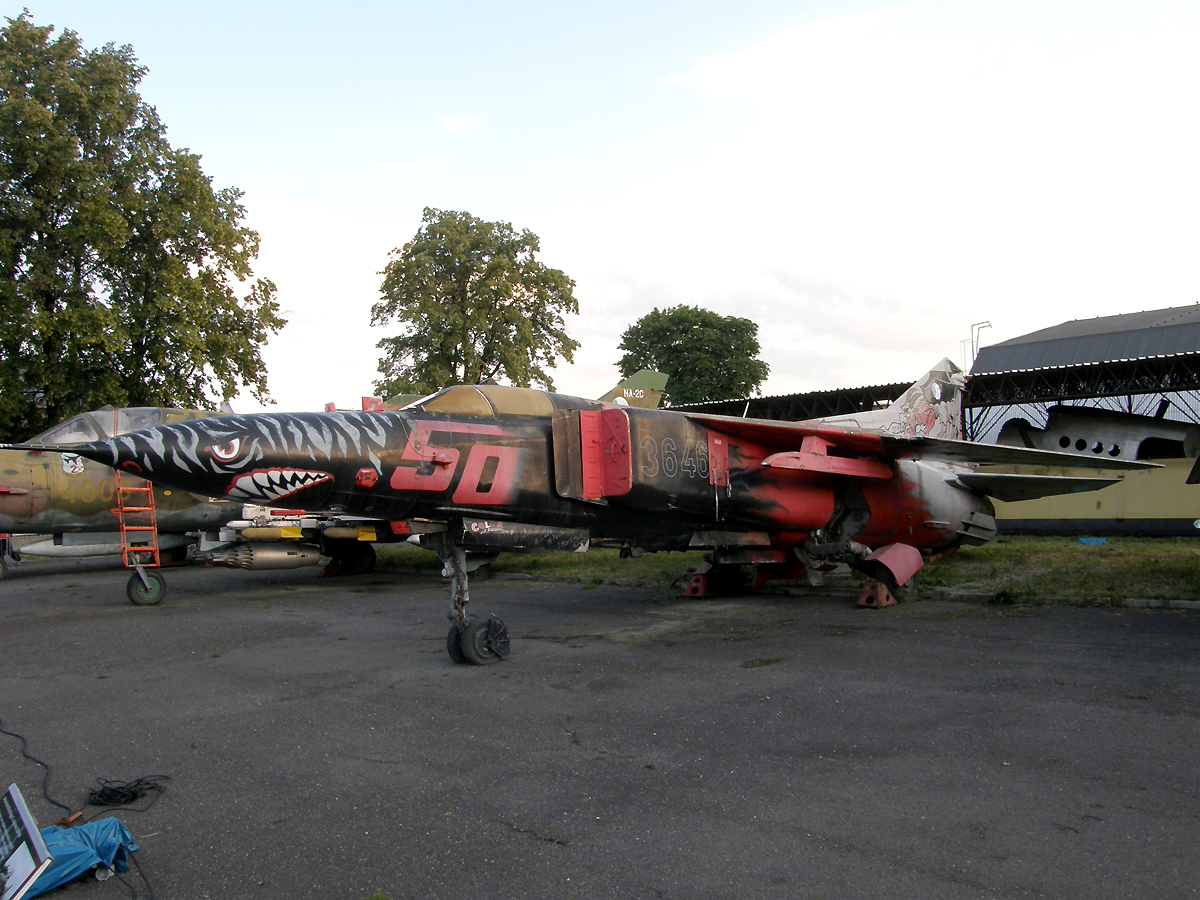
point(473, 303)
point(125, 278)
point(705, 356)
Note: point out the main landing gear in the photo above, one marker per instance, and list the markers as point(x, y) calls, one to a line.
point(348, 557)
point(471, 639)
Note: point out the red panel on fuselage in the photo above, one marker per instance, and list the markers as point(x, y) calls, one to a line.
point(607, 461)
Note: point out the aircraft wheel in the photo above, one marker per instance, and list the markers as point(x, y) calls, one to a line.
point(354, 557)
point(485, 641)
point(363, 560)
point(176, 556)
point(140, 595)
point(454, 645)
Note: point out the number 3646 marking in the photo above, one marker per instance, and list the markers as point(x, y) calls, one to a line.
point(666, 456)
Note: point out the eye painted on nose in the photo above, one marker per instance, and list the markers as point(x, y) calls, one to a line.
point(226, 451)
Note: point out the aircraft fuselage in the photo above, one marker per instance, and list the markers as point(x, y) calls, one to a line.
point(652, 478)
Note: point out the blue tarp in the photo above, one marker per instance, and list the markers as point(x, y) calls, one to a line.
point(77, 850)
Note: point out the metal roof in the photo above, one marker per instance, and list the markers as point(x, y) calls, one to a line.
point(1133, 336)
point(796, 407)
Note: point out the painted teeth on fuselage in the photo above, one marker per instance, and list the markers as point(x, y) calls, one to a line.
point(179, 456)
point(268, 485)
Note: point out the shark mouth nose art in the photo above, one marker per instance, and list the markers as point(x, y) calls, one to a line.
point(269, 485)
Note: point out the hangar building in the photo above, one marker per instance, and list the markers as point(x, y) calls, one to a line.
point(1144, 365)
point(1125, 386)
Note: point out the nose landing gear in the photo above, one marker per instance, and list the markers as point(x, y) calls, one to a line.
point(472, 640)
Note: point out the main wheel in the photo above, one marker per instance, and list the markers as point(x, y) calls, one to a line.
point(454, 645)
point(485, 641)
point(360, 560)
point(140, 595)
point(354, 557)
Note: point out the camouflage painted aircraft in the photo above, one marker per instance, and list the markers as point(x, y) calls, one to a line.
point(70, 499)
point(490, 467)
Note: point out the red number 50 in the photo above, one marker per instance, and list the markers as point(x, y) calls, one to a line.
point(488, 474)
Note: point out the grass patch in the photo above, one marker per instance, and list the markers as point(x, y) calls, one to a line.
point(593, 568)
point(1009, 571)
point(1014, 570)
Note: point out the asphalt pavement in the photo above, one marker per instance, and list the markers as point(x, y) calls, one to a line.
point(320, 743)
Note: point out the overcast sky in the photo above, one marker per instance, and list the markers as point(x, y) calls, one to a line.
point(864, 180)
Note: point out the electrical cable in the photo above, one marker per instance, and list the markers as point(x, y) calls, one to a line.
point(129, 887)
point(110, 794)
point(137, 865)
point(122, 793)
point(31, 758)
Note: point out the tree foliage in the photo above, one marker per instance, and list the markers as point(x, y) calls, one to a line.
point(473, 303)
point(705, 356)
point(118, 260)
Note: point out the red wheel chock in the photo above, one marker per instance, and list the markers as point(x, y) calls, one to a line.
point(698, 586)
point(875, 596)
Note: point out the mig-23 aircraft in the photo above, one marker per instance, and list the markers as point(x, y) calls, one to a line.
point(488, 467)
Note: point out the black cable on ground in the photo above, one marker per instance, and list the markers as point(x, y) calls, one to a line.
point(132, 890)
point(31, 758)
point(137, 865)
point(109, 793)
point(122, 793)
point(129, 887)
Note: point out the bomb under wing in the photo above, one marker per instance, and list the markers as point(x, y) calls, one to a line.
point(477, 461)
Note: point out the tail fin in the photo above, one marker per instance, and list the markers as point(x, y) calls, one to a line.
point(932, 407)
point(643, 389)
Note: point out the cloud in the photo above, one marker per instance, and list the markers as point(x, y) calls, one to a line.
point(881, 181)
point(394, 171)
point(459, 124)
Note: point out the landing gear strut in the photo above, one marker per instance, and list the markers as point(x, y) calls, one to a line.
point(471, 639)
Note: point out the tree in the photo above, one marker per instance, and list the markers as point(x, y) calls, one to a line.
point(705, 356)
point(122, 271)
point(473, 303)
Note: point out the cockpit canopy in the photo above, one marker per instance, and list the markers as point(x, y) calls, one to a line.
point(486, 400)
point(102, 423)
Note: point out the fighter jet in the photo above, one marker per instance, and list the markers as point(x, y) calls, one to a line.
point(493, 467)
point(65, 497)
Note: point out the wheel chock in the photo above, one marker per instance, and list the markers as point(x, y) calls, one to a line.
point(875, 595)
point(698, 586)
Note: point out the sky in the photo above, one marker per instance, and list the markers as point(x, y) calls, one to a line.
point(865, 180)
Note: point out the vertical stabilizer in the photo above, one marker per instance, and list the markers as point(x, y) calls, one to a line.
point(932, 407)
point(643, 389)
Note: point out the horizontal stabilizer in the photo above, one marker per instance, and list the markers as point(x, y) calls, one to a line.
point(1000, 455)
point(1009, 488)
point(789, 436)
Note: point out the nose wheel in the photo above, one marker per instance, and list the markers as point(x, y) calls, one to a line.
point(470, 640)
point(146, 588)
point(485, 641)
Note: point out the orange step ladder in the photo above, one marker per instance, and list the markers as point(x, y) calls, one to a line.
point(139, 525)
